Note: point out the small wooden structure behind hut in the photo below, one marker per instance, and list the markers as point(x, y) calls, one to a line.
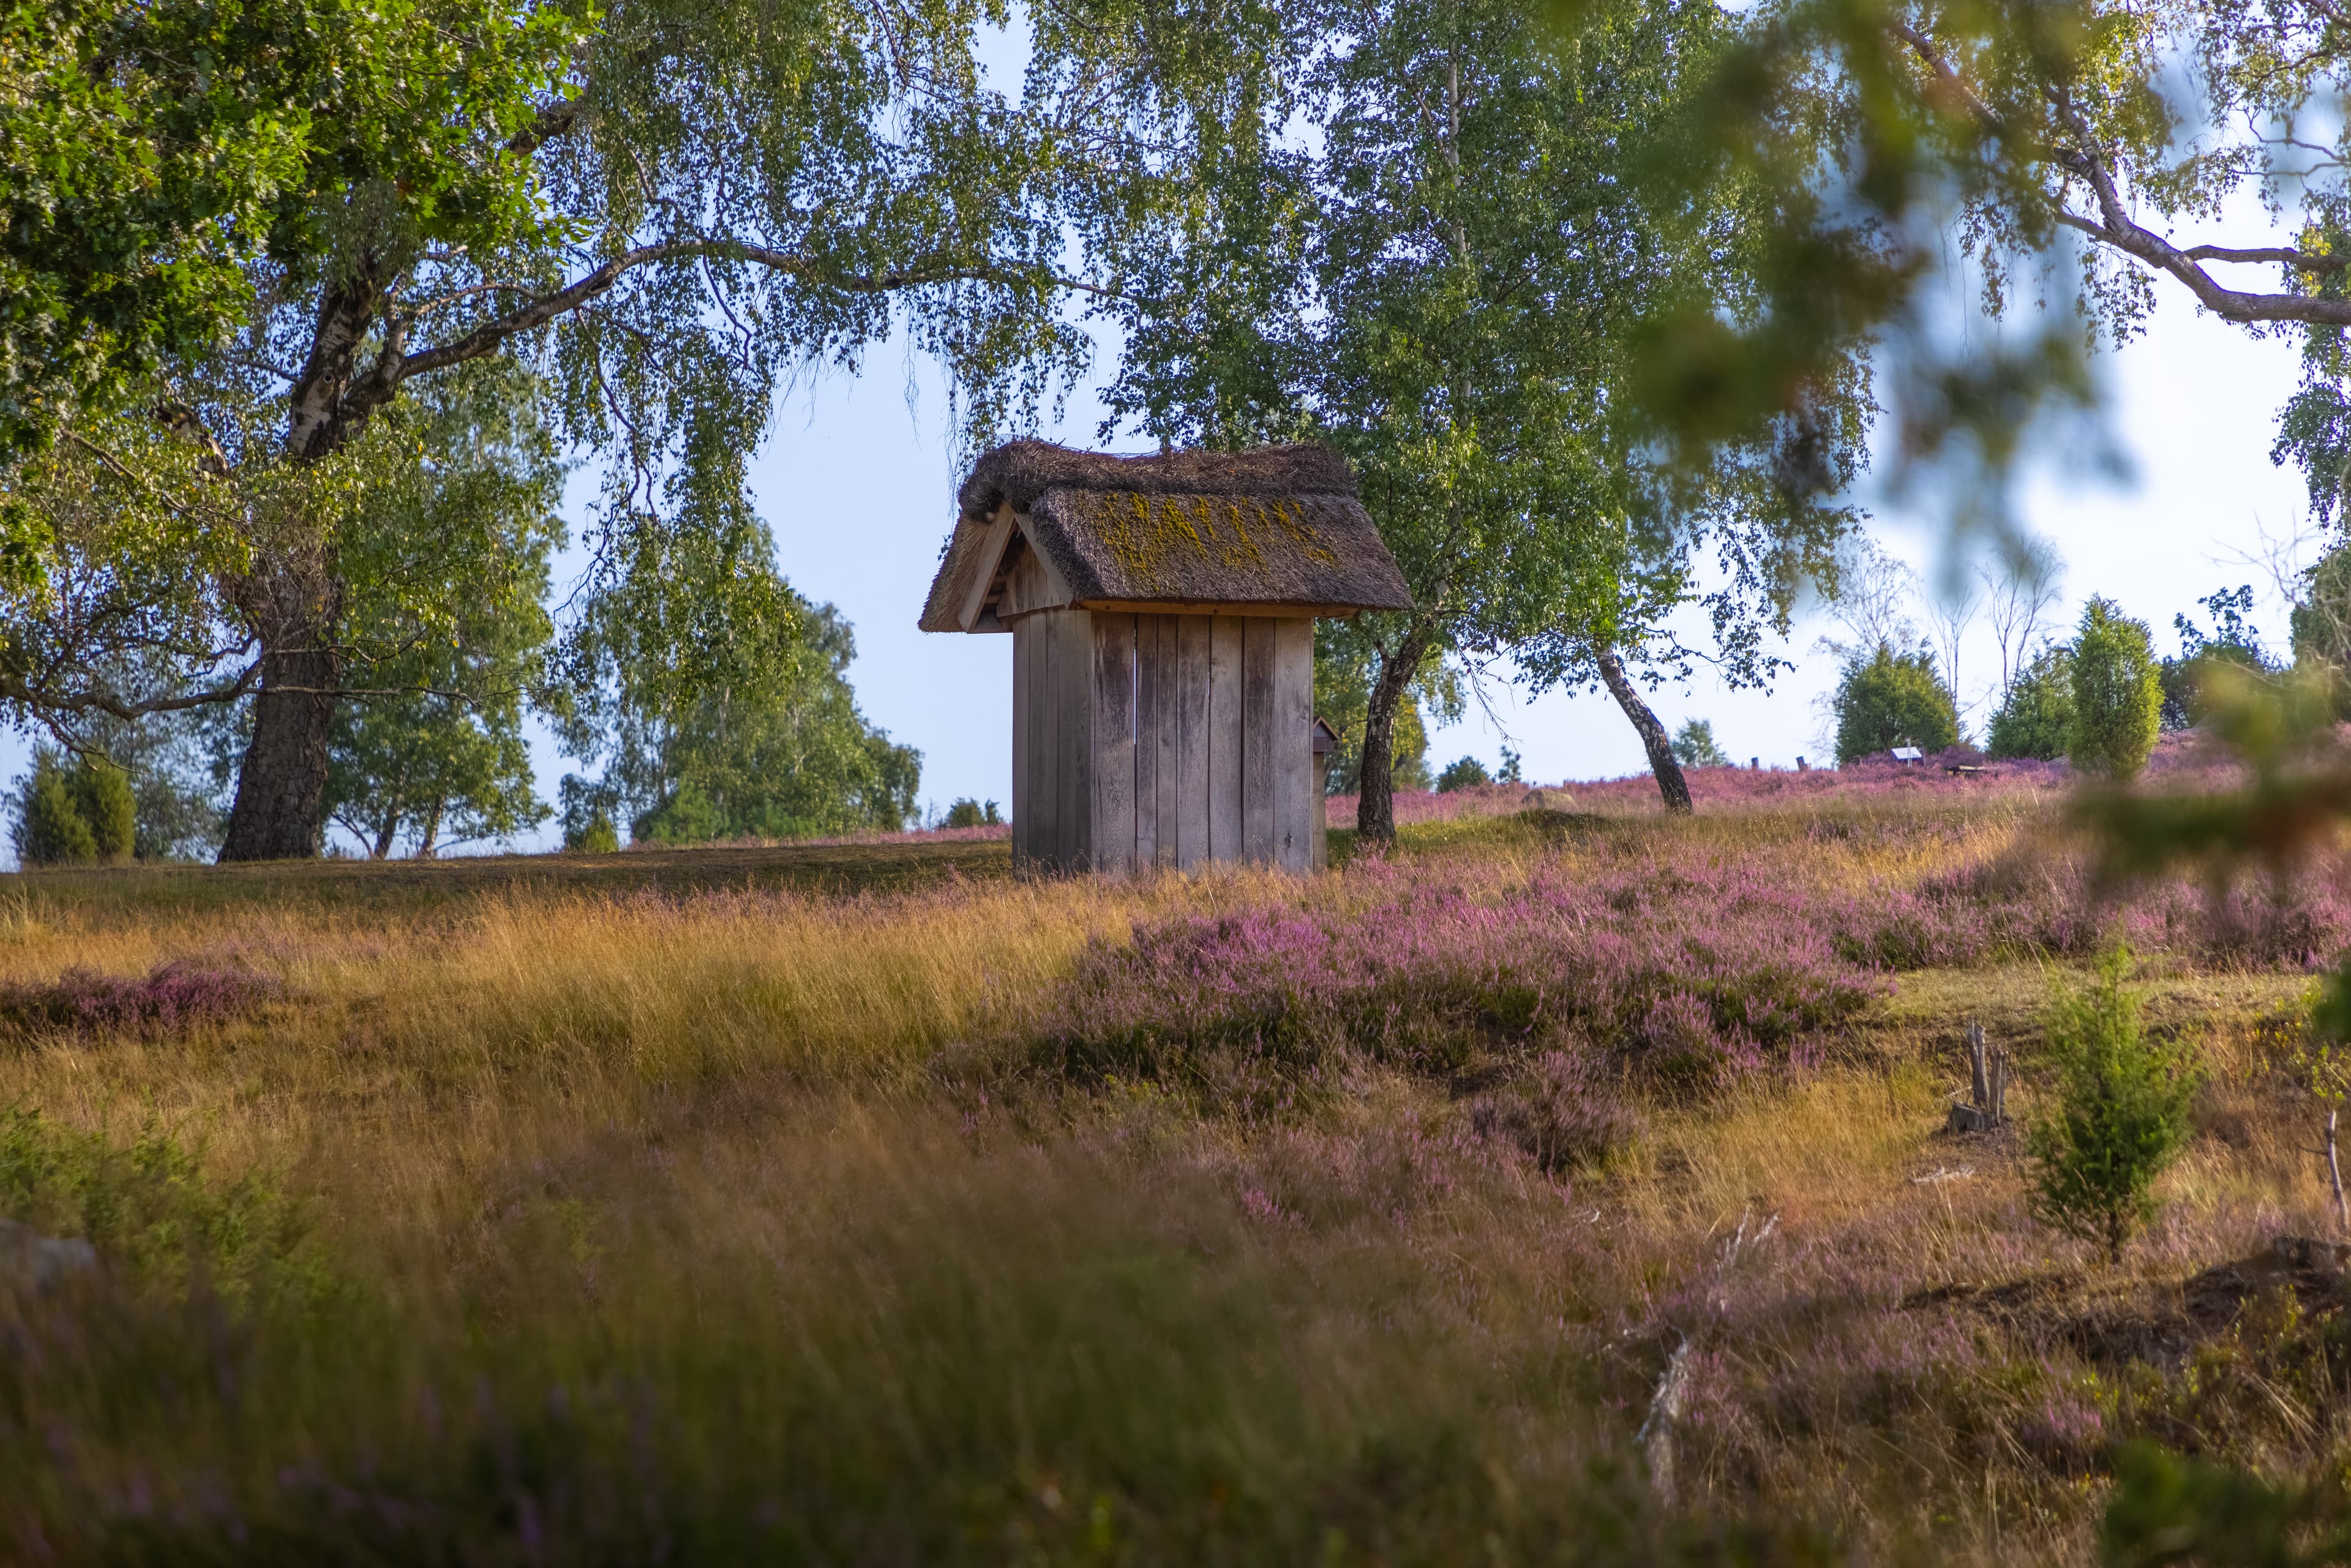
point(1162, 613)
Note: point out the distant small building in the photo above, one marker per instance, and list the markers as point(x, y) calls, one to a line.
point(1162, 611)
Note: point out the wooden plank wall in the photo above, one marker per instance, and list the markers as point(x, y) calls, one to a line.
point(1148, 741)
point(1290, 741)
point(1224, 737)
point(1052, 738)
point(1163, 740)
point(1023, 640)
point(1116, 795)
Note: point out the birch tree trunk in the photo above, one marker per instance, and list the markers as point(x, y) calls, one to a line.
point(1376, 799)
point(1654, 739)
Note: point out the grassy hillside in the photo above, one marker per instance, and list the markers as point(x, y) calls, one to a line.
point(870, 1203)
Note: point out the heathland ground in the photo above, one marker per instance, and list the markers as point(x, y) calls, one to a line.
point(868, 1203)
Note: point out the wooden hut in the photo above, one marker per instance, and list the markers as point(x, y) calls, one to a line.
point(1162, 611)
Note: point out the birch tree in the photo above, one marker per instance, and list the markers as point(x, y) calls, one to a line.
point(671, 209)
point(1412, 230)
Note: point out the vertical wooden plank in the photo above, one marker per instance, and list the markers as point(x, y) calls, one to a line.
point(1082, 724)
point(1224, 737)
point(1292, 731)
point(1191, 729)
point(1169, 734)
point(1067, 709)
point(1257, 719)
point(1020, 773)
point(1150, 683)
point(1044, 746)
point(1117, 795)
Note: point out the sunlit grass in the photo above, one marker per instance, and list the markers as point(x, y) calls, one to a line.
point(728, 1218)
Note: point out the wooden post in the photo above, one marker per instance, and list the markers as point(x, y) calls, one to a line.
point(1987, 1106)
point(2335, 1170)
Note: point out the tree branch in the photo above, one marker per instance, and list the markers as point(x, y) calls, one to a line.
point(2145, 246)
point(488, 337)
point(1948, 76)
point(2284, 256)
point(14, 688)
point(2116, 227)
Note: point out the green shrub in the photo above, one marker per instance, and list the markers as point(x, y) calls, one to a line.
point(50, 829)
point(594, 836)
point(2036, 717)
point(2117, 695)
point(154, 1216)
point(1892, 699)
point(970, 814)
point(1694, 745)
point(2118, 1113)
point(1462, 774)
point(2167, 1507)
point(101, 793)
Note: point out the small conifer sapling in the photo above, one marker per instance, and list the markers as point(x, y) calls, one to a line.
point(2118, 1116)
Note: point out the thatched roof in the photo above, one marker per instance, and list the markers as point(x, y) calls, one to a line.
point(1275, 527)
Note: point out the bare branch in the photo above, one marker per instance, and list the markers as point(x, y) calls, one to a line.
point(15, 689)
point(488, 337)
point(2299, 260)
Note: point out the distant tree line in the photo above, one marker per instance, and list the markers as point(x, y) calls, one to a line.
point(2099, 698)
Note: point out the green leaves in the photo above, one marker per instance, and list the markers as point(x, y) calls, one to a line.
point(2168, 1508)
point(150, 155)
point(2117, 698)
point(1891, 699)
point(2118, 1114)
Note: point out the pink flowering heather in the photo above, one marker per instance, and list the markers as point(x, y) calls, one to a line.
point(173, 997)
point(1678, 959)
point(1682, 978)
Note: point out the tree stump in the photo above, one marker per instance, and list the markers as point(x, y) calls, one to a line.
point(1987, 1107)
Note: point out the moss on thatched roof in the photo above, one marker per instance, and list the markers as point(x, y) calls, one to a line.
point(1277, 526)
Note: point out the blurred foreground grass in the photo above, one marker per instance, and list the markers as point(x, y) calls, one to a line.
point(647, 1208)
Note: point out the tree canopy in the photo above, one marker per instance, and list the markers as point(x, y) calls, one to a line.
point(779, 749)
point(1414, 230)
point(671, 210)
point(1893, 698)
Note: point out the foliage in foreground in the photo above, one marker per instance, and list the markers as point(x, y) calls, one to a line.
point(1040, 1361)
point(628, 1251)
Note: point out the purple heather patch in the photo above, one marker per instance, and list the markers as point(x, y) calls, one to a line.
point(172, 997)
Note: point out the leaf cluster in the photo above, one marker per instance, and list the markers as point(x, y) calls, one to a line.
point(2118, 1113)
point(1891, 699)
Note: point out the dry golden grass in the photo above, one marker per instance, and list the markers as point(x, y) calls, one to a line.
point(560, 1137)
